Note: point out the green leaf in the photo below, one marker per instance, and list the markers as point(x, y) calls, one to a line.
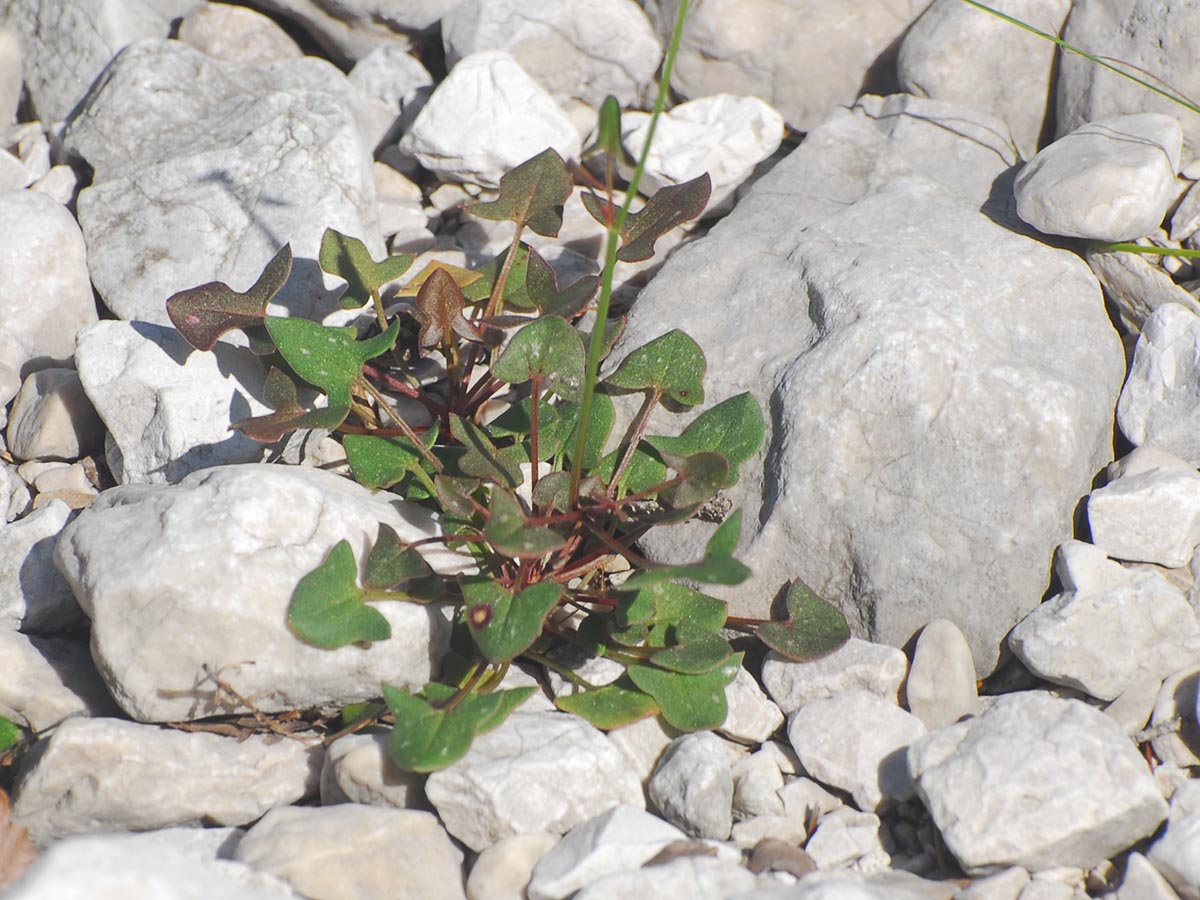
point(611, 706)
point(608, 134)
point(10, 733)
point(673, 364)
point(532, 195)
point(505, 626)
point(689, 702)
point(717, 567)
point(380, 462)
point(516, 294)
point(734, 428)
point(517, 421)
point(392, 563)
point(348, 259)
point(541, 289)
point(280, 394)
point(455, 494)
point(508, 532)
point(703, 475)
point(202, 314)
point(564, 435)
point(694, 650)
point(645, 470)
point(665, 601)
point(482, 458)
point(439, 310)
point(553, 492)
point(327, 608)
point(426, 738)
point(327, 358)
point(548, 349)
point(671, 206)
point(505, 705)
point(814, 627)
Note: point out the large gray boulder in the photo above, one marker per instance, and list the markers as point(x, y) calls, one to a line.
point(204, 169)
point(938, 388)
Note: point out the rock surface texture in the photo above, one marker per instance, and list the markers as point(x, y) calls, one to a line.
point(981, 445)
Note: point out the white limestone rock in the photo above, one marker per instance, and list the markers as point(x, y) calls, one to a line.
point(1004, 885)
point(1143, 459)
point(804, 58)
point(803, 797)
point(69, 42)
point(1176, 855)
point(486, 118)
point(395, 86)
point(167, 406)
point(694, 877)
point(10, 76)
point(47, 680)
point(578, 59)
point(34, 597)
point(1116, 631)
point(692, 786)
point(538, 771)
point(503, 870)
point(1151, 517)
point(752, 717)
point(817, 242)
point(204, 169)
point(1160, 403)
point(109, 774)
point(358, 851)
point(1144, 35)
point(45, 293)
point(940, 688)
point(757, 781)
point(121, 866)
point(722, 135)
point(1035, 781)
point(351, 29)
point(358, 769)
point(849, 839)
point(1110, 180)
point(856, 664)
point(14, 493)
point(952, 52)
point(1135, 286)
point(856, 742)
point(142, 560)
point(620, 840)
point(52, 418)
point(1142, 881)
point(237, 34)
point(1176, 700)
point(642, 744)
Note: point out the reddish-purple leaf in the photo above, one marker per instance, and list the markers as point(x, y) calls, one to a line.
point(280, 394)
point(671, 206)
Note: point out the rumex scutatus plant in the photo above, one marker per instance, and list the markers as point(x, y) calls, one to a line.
point(529, 495)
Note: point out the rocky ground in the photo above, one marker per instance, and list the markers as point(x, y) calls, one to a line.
point(982, 444)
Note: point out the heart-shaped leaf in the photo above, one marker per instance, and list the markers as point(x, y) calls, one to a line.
point(645, 469)
point(541, 288)
point(517, 421)
point(516, 295)
point(553, 492)
point(392, 563)
point(564, 435)
point(455, 494)
point(670, 206)
point(689, 702)
point(280, 394)
point(508, 532)
point(717, 567)
point(348, 259)
point(428, 737)
point(665, 601)
point(734, 428)
point(673, 364)
point(202, 314)
point(439, 309)
point(482, 459)
point(327, 358)
point(610, 706)
point(379, 462)
point(532, 195)
point(703, 475)
point(693, 651)
point(327, 608)
point(548, 349)
point(814, 627)
point(505, 625)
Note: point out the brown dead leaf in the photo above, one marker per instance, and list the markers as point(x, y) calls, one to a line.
point(16, 852)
